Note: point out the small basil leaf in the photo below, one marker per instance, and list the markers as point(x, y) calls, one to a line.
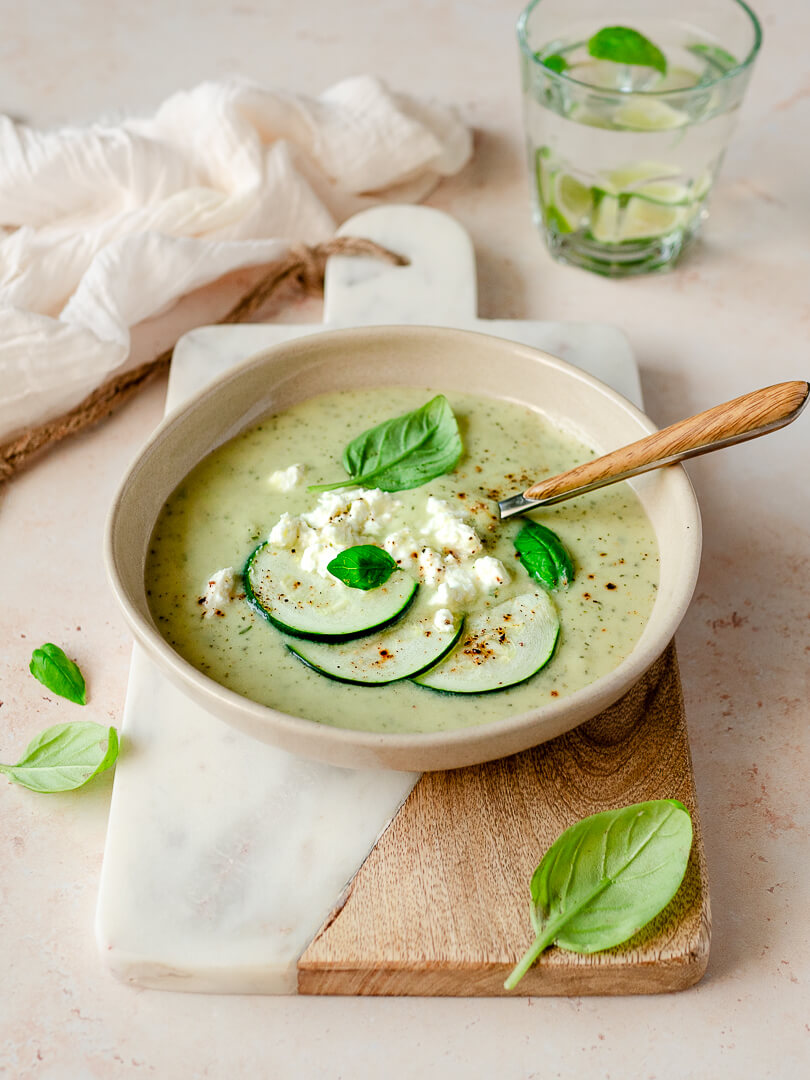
point(555, 62)
point(544, 555)
point(362, 567)
point(65, 757)
point(403, 452)
point(721, 59)
point(59, 673)
point(625, 46)
point(606, 877)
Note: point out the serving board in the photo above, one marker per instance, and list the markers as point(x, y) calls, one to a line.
point(246, 869)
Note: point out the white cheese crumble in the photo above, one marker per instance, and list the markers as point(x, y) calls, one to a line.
point(443, 620)
point(287, 479)
point(447, 528)
point(218, 592)
point(491, 573)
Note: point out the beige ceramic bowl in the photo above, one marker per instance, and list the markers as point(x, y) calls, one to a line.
point(391, 356)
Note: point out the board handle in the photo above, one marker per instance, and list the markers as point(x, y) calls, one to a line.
point(744, 418)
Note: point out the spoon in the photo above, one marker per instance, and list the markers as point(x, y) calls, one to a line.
point(745, 417)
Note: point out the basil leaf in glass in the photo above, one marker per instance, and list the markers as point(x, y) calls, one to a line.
point(625, 46)
point(362, 567)
point(554, 62)
point(723, 60)
point(59, 673)
point(606, 877)
point(404, 452)
point(65, 757)
point(544, 555)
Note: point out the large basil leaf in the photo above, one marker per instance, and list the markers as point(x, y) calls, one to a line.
point(404, 452)
point(362, 567)
point(64, 757)
point(606, 877)
point(59, 673)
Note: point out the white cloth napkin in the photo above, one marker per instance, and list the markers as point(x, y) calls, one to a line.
point(104, 226)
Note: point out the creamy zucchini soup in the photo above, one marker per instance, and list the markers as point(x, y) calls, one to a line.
point(391, 597)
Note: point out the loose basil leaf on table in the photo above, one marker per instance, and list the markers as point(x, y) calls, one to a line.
point(622, 45)
point(65, 757)
point(58, 673)
point(404, 452)
point(362, 567)
point(544, 555)
point(606, 877)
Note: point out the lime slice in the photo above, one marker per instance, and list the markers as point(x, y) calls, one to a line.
point(652, 115)
point(571, 200)
point(640, 219)
point(664, 193)
point(643, 219)
point(638, 172)
point(605, 220)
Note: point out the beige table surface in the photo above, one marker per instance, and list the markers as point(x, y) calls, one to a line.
point(735, 316)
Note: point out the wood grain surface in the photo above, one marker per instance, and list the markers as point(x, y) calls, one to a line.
point(440, 907)
point(745, 417)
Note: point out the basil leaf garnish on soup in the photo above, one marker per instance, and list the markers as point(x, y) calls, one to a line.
point(544, 555)
point(65, 757)
point(606, 877)
point(58, 673)
point(404, 452)
point(362, 567)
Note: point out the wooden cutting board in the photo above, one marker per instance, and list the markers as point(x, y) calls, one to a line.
point(252, 871)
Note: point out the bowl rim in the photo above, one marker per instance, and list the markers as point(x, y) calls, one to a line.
point(221, 701)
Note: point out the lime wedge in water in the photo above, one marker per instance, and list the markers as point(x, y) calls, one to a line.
point(640, 219)
point(571, 200)
point(652, 115)
point(637, 173)
point(664, 193)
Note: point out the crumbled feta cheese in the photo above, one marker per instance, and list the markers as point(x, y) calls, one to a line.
point(457, 588)
point(443, 620)
point(285, 532)
point(218, 592)
point(490, 572)
point(287, 479)
point(448, 530)
point(431, 566)
point(402, 547)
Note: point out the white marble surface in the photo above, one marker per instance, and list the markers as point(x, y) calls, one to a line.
point(202, 890)
point(735, 315)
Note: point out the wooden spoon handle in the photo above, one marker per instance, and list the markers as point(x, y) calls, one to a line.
point(744, 418)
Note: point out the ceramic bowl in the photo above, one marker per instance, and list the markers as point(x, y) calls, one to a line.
point(389, 356)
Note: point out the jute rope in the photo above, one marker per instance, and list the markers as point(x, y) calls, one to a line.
point(301, 270)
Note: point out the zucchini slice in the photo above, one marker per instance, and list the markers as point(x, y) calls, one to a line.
point(306, 605)
point(410, 647)
point(499, 648)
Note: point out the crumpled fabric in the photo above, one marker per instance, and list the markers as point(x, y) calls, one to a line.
point(102, 227)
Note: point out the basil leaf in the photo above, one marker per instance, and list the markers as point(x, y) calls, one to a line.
point(59, 673)
point(544, 555)
point(721, 59)
point(65, 757)
point(625, 46)
point(606, 877)
point(362, 567)
point(404, 452)
point(554, 62)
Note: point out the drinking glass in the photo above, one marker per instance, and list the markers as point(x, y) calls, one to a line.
point(623, 156)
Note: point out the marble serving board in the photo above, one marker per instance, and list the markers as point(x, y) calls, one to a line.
point(226, 858)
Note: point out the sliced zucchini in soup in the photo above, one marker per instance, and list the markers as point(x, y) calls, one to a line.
point(406, 649)
point(306, 605)
point(499, 648)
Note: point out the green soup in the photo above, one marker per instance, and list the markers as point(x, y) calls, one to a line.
point(226, 505)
